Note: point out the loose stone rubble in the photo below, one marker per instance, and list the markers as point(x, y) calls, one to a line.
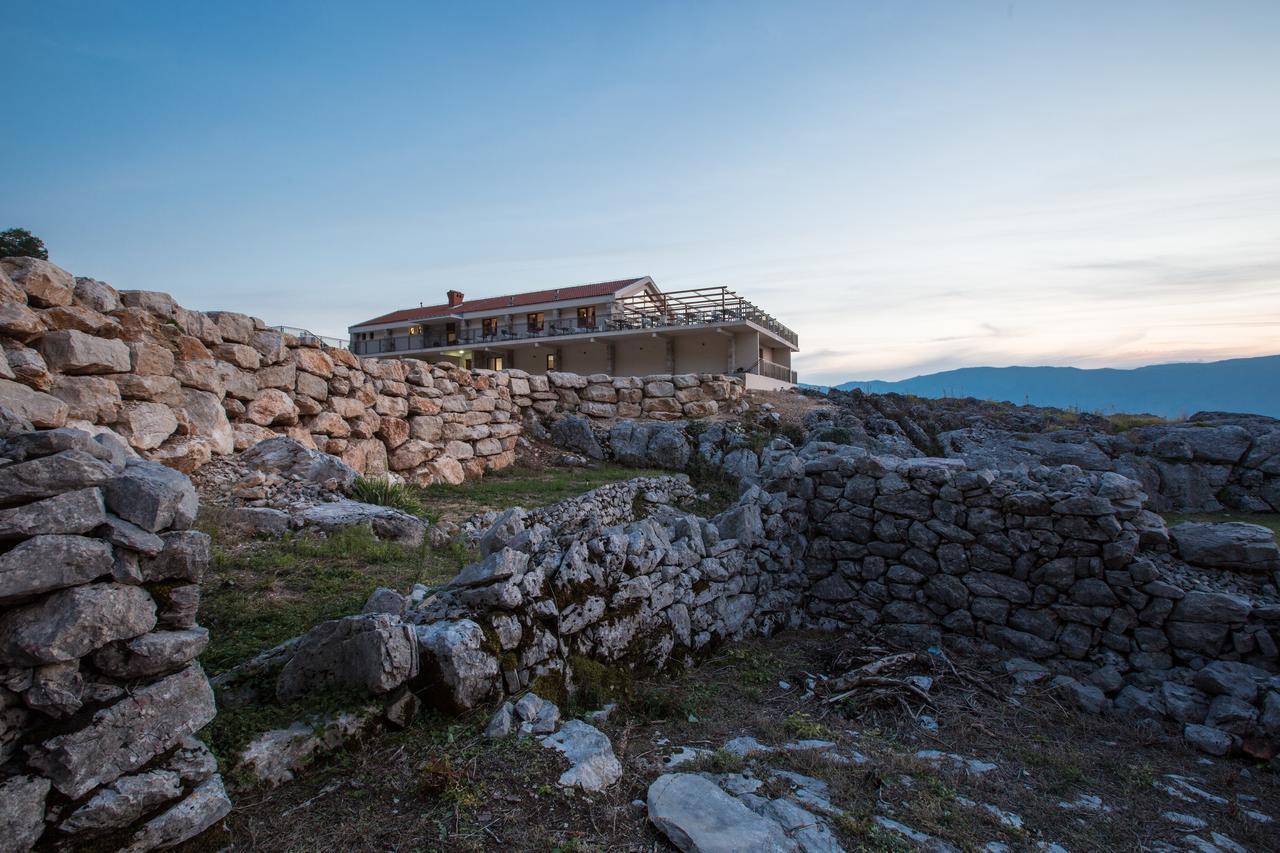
point(100, 694)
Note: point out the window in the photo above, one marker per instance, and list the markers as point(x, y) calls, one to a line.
point(415, 330)
point(497, 362)
point(466, 362)
point(450, 333)
point(551, 361)
point(587, 317)
point(535, 321)
point(489, 326)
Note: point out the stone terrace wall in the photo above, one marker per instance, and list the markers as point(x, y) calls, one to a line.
point(179, 385)
point(100, 694)
point(1061, 567)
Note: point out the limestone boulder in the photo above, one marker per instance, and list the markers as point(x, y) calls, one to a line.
point(151, 654)
point(152, 496)
point(73, 352)
point(201, 415)
point(96, 295)
point(371, 652)
point(69, 624)
point(455, 665)
point(44, 411)
point(385, 522)
point(89, 398)
point(22, 804)
point(47, 476)
point(123, 802)
point(48, 562)
point(46, 285)
point(19, 322)
point(272, 407)
point(123, 737)
point(290, 458)
point(71, 512)
point(698, 817)
point(145, 425)
point(1233, 545)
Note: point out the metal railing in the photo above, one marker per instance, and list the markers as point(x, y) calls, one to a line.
point(774, 371)
point(310, 337)
point(634, 313)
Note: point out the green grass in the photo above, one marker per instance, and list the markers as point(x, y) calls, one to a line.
point(259, 594)
point(383, 492)
point(1266, 519)
point(521, 486)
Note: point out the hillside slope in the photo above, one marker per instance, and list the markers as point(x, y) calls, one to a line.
point(1170, 390)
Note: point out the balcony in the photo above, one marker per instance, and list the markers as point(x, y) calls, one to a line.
point(707, 306)
point(774, 371)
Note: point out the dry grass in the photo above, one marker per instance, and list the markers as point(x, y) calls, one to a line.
point(439, 785)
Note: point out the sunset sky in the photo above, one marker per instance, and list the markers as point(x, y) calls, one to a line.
point(911, 186)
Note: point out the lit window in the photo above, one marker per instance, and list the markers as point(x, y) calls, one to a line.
point(551, 361)
point(586, 316)
point(535, 321)
point(490, 326)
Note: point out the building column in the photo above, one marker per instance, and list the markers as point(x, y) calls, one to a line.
point(609, 355)
point(671, 354)
point(733, 354)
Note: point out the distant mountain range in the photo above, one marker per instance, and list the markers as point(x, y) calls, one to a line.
point(1169, 390)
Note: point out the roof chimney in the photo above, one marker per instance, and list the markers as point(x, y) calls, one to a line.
point(455, 297)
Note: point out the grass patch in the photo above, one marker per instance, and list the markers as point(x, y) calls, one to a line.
point(1270, 520)
point(523, 486)
point(233, 729)
point(804, 727)
point(383, 492)
point(258, 594)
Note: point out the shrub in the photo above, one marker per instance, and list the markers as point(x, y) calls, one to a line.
point(383, 492)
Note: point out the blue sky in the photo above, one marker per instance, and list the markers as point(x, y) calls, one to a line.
point(911, 186)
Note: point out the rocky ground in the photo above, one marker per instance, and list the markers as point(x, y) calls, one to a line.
point(982, 759)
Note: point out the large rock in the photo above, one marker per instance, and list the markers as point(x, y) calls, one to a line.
point(593, 766)
point(204, 807)
point(22, 811)
point(73, 352)
point(698, 817)
point(272, 407)
point(46, 285)
point(49, 562)
point(146, 425)
point(123, 737)
point(290, 458)
point(71, 623)
point(385, 522)
point(202, 415)
point(47, 476)
point(574, 433)
point(668, 448)
point(273, 757)
point(77, 511)
point(376, 653)
point(151, 654)
point(456, 664)
point(1232, 545)
point(123, 802)
point(152, 496)
point(42, 410)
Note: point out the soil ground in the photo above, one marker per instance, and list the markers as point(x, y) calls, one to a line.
point(440, 785)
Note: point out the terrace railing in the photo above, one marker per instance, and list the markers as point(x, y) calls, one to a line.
point(306, 336)
point(646, 311)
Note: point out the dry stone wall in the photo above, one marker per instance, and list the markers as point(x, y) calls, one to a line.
point(1063, 572)
point(179, 386)
point(100, 692)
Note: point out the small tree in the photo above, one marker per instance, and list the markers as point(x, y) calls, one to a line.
point(21, 243)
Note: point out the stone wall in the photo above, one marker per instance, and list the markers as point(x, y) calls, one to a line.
point(1063, 572)
point(100, 694)
point(179, 386)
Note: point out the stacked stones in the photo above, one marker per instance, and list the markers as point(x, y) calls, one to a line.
point(1049, 570)
point(179, 386)
point(661, 397)
point(100, 694)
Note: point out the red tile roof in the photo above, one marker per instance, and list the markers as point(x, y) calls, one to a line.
point(533, 297)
